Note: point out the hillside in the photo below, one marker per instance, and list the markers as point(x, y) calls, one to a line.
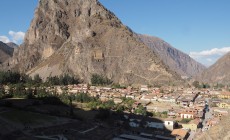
point(218, 132)
point(81, 38)
point(5, 52)
point(218, 72)
point(178, 61)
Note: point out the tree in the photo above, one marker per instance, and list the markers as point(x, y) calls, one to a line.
point(68, 80)
point(9, 77)
point(53, 80)
point(93, 104)
point(141, 110)
point(100, 80)
point(2, 91)
point(128, 103)
point(19, 91)
point(30, 93)
point(37, 79)
point(205, 85)
point(196, 84)
point(120, 108)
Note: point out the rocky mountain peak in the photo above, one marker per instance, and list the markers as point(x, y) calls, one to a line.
point(81, 37)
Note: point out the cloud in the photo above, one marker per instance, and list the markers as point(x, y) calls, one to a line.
point(209, 57)
point(17, 36)
point(212, 52)
point(4, 39)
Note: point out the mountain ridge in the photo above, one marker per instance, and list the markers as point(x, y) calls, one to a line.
point(5, 52)
point(178, 61)
point(218, 72)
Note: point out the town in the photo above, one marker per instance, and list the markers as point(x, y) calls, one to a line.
point(140, 112)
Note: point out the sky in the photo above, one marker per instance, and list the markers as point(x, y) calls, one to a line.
point(200, 28)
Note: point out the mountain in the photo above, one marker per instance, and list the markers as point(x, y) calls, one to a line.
point(12, 45)
point(81, 37)
point(218, 72)
point(5, 52)
point(178, 61)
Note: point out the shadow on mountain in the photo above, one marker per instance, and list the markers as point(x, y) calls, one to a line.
point(50, 118)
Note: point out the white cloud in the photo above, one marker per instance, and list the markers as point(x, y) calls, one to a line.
point(17, 36)
point(212, 52)
point(4, 39)
point(209, 57)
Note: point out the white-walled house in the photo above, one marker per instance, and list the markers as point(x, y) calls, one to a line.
point(169, 124)
point(144, 88)
point(187, 115)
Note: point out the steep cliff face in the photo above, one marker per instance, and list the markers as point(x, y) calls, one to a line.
point(81, 37)
point(5, 52)
point(178, 61)
point(218, 72)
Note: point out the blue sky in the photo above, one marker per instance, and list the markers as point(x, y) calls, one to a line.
point(200, 28)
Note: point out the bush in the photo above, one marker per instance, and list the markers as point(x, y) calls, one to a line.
point(185, 120)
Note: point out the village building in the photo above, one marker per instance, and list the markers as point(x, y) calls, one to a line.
point(180, 134)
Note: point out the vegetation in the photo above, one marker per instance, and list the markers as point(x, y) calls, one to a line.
point(160, 114)
point(196, 84)
point(10, 77)
point(118, 86)
point(141, 110)
point(62, 80)
point(100, 80)
point(185, 120)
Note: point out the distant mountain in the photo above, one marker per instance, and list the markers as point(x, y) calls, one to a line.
point(178, 61)
point(81, 37)
point(12, 45)
point(5, 52)
point(218, 72)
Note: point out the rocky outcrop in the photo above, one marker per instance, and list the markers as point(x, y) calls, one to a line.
point(178, 61)
point(5, 52)
point(81, 37)
point(218, 72)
